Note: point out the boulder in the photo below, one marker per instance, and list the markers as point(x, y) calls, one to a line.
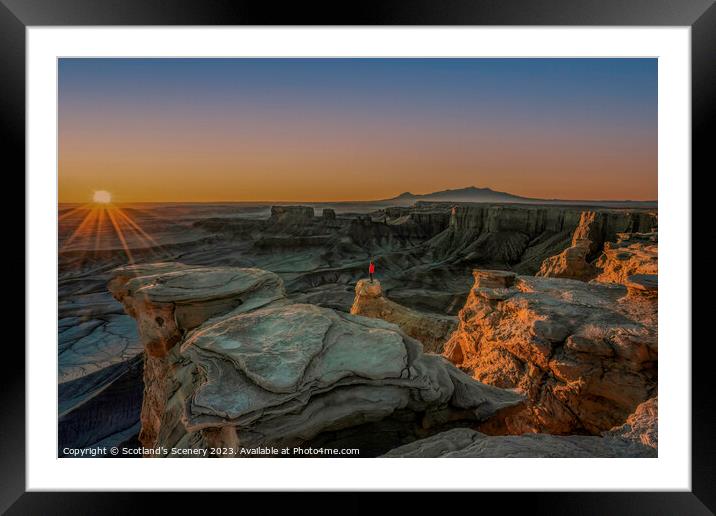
point(584, 354)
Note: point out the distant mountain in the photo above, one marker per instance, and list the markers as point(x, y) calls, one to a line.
point(488, 195)
point(469, 194)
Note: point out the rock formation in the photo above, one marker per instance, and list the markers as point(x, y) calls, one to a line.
point(424, 254)
point(328, 214)
point(584, 354)
point(468, 443)
point(642, 286)
point(570, 263)
point(523, 236)
point(246, 367)
point(637, 437)
point(432, 330)
point(641, 426)
point(632, 253)
point(291, 214)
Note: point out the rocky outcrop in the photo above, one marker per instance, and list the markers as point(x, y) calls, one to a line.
point(169, 299)
point(637, 437)
point(594, 234)
point(641, 426)
point(431, 330)
point(289, 215)
point(570, 263)
point(642, 286)
point(468, 443)
point(328, 214)
point(632, 253)
point(268, 372)
point(584, 354)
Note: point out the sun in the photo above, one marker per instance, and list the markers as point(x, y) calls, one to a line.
point(102, 197)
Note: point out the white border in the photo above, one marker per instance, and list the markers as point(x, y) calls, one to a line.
point(670, 471)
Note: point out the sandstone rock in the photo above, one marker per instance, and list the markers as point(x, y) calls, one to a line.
point(641, 426)
point(493, 279)
point(432, 330)
point(570, 263)
point(632, 253)
point(583, 353)
point(465, 442)
point(328, 214)
point(169, 299)
point(271, 372)
point(642, 285)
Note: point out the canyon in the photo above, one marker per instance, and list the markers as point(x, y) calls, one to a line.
point(247, 325)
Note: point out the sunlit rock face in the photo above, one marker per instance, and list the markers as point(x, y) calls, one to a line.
point(584, 354)
point(595, 235)
point(642, 426)
point(432, 330)
point(632, 253)
point(270, 372)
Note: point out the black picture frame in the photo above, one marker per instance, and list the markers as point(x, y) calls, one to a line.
point(700, 15)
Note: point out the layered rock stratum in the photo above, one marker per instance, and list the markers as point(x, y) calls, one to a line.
point(432, 330)
point(619, 254)
point(232, 363)
point(584, 354)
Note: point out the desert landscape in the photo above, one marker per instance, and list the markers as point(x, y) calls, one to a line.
point(239, 274)
point(491, 329)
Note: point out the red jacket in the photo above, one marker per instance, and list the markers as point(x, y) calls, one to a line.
point(371, 268)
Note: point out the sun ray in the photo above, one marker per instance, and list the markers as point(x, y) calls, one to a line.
point(120, 235)
point(136, 226)
point(82, 229)
point(136, 234)
point(100, 225)
point(73, 212)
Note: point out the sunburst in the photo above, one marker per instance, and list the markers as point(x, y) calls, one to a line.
point(88, 233)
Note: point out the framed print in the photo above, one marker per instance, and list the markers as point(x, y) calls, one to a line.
point(406, 250)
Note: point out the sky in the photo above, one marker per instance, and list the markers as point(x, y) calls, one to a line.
point(207, 130)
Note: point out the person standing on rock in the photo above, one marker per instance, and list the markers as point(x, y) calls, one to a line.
point(371, 270)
